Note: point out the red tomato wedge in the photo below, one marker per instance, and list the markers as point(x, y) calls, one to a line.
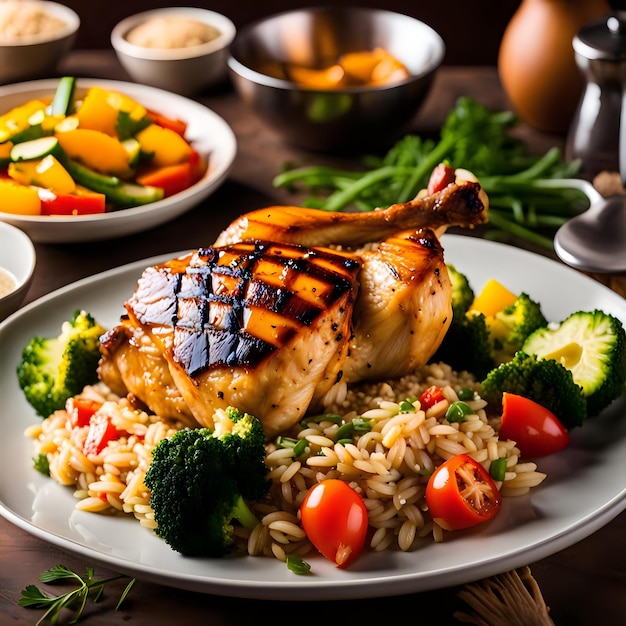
point(101, 431)
point(461, 494)
point(334, 518)
point(441, 177)
point(536, 430)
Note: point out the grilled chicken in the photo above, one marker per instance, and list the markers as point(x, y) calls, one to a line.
point(262, 326)
point(403, 307)
point(463, 203)
point(270, 318)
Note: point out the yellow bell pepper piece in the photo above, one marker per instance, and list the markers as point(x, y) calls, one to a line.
point(46, 172)
point(168, 147)
point(100, 110)
point(18, 118)
point(493, 298)
point(19, 199)
point(96, 150)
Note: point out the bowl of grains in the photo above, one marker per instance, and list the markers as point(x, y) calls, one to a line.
point(180, 49)
point(34, 36)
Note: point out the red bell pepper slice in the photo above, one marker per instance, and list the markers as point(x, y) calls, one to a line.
point(81, 203)
point(101, 431)
point(178, 126)
point(175, 178)
point(81, 409)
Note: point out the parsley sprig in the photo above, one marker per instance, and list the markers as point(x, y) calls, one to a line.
point(74, 600)
point(472, 137)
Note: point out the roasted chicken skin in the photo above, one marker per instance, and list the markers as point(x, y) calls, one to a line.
point(287, 303)
point(463, 203)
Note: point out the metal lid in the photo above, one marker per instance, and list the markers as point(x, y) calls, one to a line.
point(603, 39)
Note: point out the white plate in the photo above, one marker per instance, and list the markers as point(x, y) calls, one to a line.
point(206, 131)
point(585, 488)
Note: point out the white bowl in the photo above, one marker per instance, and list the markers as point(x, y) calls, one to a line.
point(186, 71)
point(33, 56)
point(208, 133)
point(18, 258)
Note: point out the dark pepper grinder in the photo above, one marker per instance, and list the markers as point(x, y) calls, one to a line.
point(597, 135)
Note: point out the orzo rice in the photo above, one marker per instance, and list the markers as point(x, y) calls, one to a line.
point(388, 462)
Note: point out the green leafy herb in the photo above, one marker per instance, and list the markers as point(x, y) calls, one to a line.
point(474, 138)
point(41, 464)
point(74, 600)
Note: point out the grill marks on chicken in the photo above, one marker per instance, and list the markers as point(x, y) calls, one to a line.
point(260, 325)
point(270, 318)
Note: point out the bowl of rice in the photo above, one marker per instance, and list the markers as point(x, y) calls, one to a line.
point(180, 49)
point(34, 36)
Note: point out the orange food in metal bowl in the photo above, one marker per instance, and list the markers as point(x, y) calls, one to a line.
point(363, 68)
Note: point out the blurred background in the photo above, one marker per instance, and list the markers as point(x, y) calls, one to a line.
point(471, 29)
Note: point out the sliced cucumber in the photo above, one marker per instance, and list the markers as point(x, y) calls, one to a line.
point(122, 195)
point(63, 100)
point(129, 195)
point(35, 149)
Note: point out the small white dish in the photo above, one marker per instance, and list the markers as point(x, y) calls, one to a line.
point(17, 264)
point(183, 70)
point(206, 131)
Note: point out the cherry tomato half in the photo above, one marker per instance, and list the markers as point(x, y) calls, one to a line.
point(334, 518)
point(536, 430)
point(461, 493)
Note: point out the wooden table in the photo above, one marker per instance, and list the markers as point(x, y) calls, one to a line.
point(582, 585)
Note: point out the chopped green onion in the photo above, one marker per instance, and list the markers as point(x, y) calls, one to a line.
point(345, 432)
point(297, 565)
point(300, 448)
point(362, 425)
point(457, 411)
point(406, 407)
point(497, 469)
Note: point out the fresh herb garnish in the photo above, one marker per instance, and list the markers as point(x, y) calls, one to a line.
point(74, 600)
point(474, 138)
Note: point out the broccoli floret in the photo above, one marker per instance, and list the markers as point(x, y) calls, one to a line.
point(592, 345)
point(477, 342)
point(509, 328)
point(199, 481)
point(467, 345)
point(462, 292)
point(545, 381)
point(51, 370)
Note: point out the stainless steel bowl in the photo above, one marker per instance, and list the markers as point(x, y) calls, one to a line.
point(343, 120)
